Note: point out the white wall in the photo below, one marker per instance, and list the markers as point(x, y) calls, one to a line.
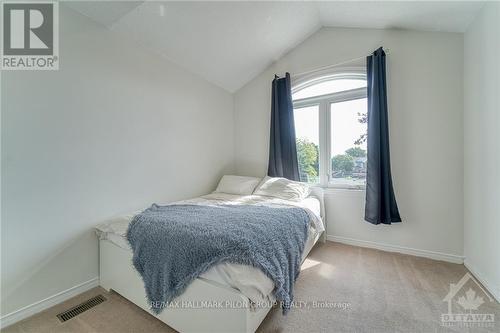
point(114, 130)
point(482, 147)
point(425, 83)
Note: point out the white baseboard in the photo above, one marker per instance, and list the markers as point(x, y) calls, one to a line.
point(492, 289)
point(396, 248)
point(44, 304)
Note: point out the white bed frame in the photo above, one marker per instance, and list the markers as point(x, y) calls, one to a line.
point(118, 274)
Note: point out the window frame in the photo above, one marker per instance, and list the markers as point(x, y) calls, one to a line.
point(324, 115)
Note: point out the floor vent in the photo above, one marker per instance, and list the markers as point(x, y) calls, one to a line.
point(75, 311)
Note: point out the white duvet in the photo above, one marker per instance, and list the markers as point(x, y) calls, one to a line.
point(250, 281)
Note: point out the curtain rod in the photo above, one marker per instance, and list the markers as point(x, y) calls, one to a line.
point(334, 65)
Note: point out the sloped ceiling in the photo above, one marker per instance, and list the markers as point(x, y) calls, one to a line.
point(104, 12)
point(229, 43)
point(447, 16)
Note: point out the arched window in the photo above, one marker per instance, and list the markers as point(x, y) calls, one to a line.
point(330, 125)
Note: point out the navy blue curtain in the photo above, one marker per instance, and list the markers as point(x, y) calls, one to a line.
point(380, 205)
point(283, 149)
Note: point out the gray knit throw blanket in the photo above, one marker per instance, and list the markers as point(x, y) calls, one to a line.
point(175, 244)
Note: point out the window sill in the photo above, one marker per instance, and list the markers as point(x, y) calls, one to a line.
point(337, 188)
point(345, 188)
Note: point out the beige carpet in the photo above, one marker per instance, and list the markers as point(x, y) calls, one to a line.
point(383, 292)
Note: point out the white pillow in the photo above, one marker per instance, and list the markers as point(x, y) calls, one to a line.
point(237, 185)
point(283, 188)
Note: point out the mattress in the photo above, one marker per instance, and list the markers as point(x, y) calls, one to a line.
point(250, 281)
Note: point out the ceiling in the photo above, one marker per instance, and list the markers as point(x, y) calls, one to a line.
point(229, 43)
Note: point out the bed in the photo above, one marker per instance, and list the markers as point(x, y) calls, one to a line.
point(226, 298)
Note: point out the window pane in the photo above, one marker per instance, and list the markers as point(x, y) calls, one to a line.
point(307, 134)
point(329, 87)
point(348, 142)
